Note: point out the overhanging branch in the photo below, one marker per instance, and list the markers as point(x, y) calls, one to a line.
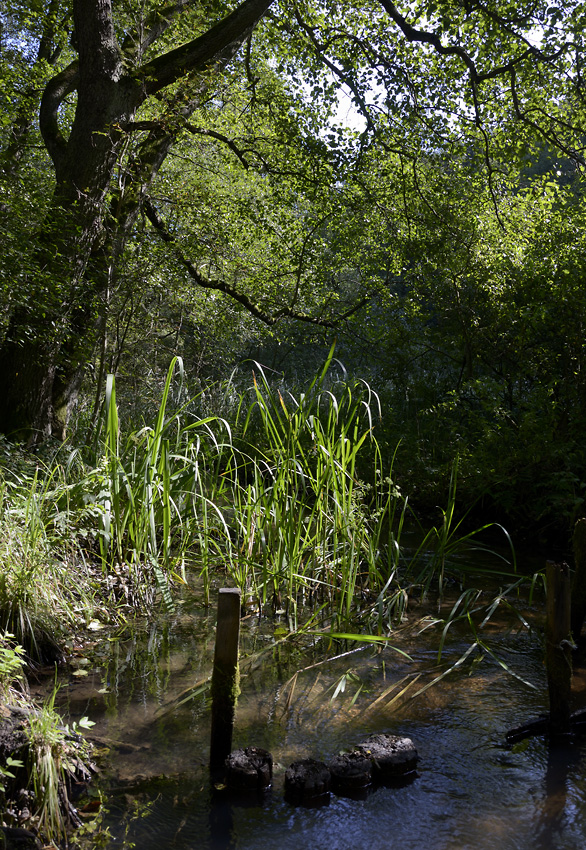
point(219, 43)
point(220, 137)
point(240, 297)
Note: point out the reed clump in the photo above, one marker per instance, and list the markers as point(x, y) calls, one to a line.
point(291, 498)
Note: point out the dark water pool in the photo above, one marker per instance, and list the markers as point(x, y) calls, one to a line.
point(471, 791)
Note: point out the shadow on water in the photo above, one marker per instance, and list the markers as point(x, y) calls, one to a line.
point(470, 791)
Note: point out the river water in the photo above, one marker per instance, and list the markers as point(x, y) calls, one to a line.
point(470, 791)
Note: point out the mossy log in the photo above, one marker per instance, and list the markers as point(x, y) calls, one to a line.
point(351, 773)
point(306, 781)
point(392, 756)
point(250, 769)
point(541, 726)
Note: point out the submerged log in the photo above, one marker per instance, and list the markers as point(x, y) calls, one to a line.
point(392, 756)
point(579, 581)
point(541, 726)
point(250, 769)
point(307, 780)
point(558, 646)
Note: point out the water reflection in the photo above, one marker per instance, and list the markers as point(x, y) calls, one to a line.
point(471, 791)
point(559, 808)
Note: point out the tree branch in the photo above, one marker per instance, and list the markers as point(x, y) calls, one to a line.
point(219, 43)
point(55, 92)
point(213, 134)
point(222, 286)
point(549, 137)
point(156, 24)
point(425, 37)
point(338, 72)
point(158, 127)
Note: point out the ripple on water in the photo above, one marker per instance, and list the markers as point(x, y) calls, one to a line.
point(471, 792)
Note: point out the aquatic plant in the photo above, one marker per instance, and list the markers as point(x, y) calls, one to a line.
point(148, 490)
point(55, 754)
point(310, 530)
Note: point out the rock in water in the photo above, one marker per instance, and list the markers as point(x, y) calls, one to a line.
point(391, 755)
point(350, 772)
point(14, 838)
point(250, 769)
point(307, 780)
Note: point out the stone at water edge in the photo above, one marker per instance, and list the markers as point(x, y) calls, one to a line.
point(306, 780)
point(391, 755)
point(351, 772)
point(250, 769)
point(15, 838)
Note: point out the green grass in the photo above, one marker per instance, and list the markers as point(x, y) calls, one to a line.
point(44, 583)
point(55, 753)
point(291, 499)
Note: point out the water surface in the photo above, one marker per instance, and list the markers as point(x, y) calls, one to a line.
point(471, 791)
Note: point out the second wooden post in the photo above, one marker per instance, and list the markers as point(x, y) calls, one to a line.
point(558, 652)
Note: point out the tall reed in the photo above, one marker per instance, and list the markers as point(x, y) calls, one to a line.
point(283, 510)
point(310, 530)
point(153, 500)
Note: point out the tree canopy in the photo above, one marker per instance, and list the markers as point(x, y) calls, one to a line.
point(196, 150)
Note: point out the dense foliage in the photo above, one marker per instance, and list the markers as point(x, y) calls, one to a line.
point(220, 184)
point(229, 212)
point(203, 203)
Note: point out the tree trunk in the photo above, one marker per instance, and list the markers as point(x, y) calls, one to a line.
point(27, 373)
point(51, 338)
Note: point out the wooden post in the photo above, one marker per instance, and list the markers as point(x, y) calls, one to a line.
point(579, 581)
point(225, 678)
point(558, 652)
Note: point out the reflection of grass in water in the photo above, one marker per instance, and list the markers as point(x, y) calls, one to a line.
point(366, 687)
